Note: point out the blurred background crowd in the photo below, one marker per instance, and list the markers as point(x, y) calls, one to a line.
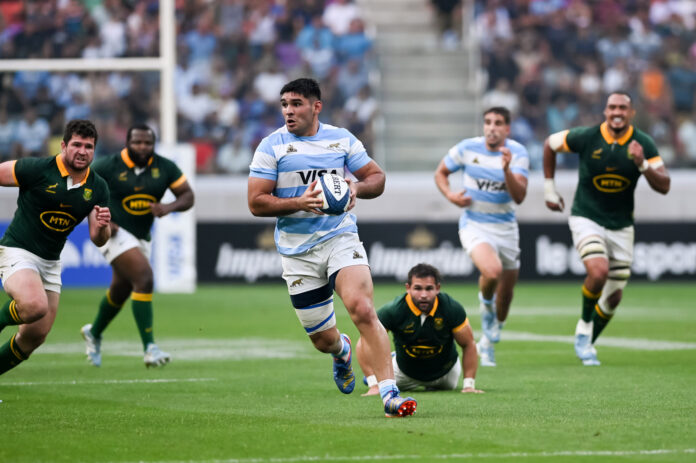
point(553, 62)
point(550, 61)
point(233, 56)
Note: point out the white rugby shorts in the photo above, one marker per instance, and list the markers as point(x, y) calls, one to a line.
point(447, 382)
point(311, 270)
point(619, 243)
point(13, 259)
point(505, 242)
point(121, 242)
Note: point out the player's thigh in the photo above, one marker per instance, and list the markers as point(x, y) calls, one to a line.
point(25, 286)
point(132, 265)
point(349, 266)
point(450, 380)
point(25, 276)
point(485, 258)
point(589, 238)
point(620, 244)
point(508, 245)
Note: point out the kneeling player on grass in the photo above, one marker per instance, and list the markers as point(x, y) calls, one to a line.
point(320, 252)
point(55, 194)
point(426, 324)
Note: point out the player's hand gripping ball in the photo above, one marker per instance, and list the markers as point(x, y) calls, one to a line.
point(335, 193)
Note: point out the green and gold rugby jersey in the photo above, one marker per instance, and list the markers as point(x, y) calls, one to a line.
point(424, 343)
point(133, 189)
point(47, 211)
point(607, 175)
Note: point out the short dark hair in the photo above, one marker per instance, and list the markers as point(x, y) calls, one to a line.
point(501, 111)
point(82, 128)
point(144, 127)
point(424, 271)
point(308, 88)
point(622, 92)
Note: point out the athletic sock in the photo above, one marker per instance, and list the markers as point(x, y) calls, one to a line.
point(142, 312)
point(9, 315)
point(107, 312)
point(388, 389)
point(487, 302)
point(11, 355)
point(600, 320)
point(344, 354)
point(589, 300)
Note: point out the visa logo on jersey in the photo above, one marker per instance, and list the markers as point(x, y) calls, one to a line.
point(309, 176)
point(490, 185)
point(611, 183)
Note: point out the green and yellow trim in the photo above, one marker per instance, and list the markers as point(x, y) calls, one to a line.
point(460, 327)
point(587, 293)
point(16, 351)
point(600, 313)
point(129, 162)
point(111, 301)
point(13, 312)
point(180, 181)
point(609, 138)
point(418, 312)
point(64, 171)
point(143, 297)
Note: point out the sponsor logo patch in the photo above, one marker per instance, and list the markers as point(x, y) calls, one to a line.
point(58, 220)
point(611, 183)
point(138, 204)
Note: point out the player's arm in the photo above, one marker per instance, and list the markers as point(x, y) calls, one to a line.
point(371, 180)
point(183, 202)
point(262, 202)
point(516, 184)
point(7, 175)
point(457, 198)
point(465, 338)
point(99, 225)
point(657, 176)
point(553, 144)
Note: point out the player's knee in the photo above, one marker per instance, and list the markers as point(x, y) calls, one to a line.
point(324, 342)
point(598, 274)
point(32, 308)
point(492, 271)
point(363, 312)
point(144, 282)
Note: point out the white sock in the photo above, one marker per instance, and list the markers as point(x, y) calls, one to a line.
point(388, 389)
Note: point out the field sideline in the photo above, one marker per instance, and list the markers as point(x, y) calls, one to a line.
point(246, 386)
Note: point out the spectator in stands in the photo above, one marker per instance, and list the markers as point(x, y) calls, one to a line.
point(354, 44)
point(32, 134)
point(7, 136)
point(339, 14)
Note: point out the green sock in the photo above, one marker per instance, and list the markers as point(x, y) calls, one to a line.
point(600, 321)
point(11, 355)
point(589, 300)
point(107, 312)
point(9, 315)
point(142, 311)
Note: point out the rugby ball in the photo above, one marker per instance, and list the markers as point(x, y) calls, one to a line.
point(335, 193)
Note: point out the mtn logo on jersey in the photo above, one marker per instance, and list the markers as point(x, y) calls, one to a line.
point(138, 204)
point(490, 185)
point(611, 183)
point(58, 220)
point(423, 352)
point(309, 176)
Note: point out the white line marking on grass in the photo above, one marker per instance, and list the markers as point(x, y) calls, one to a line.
point(107, 381)
point(626, 343)
point(196, 349)
point(454, 456)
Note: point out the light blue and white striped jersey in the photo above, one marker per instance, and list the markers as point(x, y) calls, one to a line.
point(293, 163)
point(484, 180)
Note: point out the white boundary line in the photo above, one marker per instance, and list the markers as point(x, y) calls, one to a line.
point(107, 381)
point(453, 456)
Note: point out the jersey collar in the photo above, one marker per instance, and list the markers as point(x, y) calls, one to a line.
point(64, 171)
point(418, 312)
point(606, 134)
point(129, 162)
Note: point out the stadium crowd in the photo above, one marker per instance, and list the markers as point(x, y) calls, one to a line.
point(550, 61)
point(233, 57)
point(553, 61)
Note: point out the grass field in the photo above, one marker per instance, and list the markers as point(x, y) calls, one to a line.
point(246, 386)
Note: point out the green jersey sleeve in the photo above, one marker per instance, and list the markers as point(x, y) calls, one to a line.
point(388, 312)
point(28, 171)
point(577, 137)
